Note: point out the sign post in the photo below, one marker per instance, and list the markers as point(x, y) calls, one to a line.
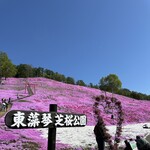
point(20, 119)
point(52, 131)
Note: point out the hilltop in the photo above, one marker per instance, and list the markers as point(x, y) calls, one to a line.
point(69, 99)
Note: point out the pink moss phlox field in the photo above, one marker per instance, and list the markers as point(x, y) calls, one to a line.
point(69, 98)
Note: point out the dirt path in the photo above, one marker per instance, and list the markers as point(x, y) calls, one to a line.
point(30, 93)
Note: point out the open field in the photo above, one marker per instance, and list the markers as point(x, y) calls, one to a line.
point(69, 99)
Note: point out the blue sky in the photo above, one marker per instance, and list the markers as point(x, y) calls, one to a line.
point(84, 39)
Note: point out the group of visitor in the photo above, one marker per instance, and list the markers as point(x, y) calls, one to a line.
point(4, 104)
point(141, 143)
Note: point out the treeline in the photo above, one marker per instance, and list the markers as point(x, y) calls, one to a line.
point(8, 69)
point(133, 94)
point(110, 83)
point(25, 70)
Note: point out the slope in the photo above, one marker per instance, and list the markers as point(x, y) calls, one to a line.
point(69, 98)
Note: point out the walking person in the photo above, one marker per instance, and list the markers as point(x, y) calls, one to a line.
point(2, 100)
point(9, 100)
point(99, 134)
point(4, 106)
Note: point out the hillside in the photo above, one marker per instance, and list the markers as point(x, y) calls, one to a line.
point(69, 98)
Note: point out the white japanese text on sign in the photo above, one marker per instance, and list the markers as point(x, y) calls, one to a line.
point(21, 119)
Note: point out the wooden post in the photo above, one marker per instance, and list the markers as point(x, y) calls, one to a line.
point(52, 131)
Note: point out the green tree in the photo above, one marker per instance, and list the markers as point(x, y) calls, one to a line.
point(59, 77)
point(70, 80)
point(138, 95)
point(96, 86)
point(81, 83)
point(24, 71)
point(38, 72)
point(110, 83)
point(48, 73)
point(124, 91)
point(91, 85)
point(135, 95)
point(7, 68)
